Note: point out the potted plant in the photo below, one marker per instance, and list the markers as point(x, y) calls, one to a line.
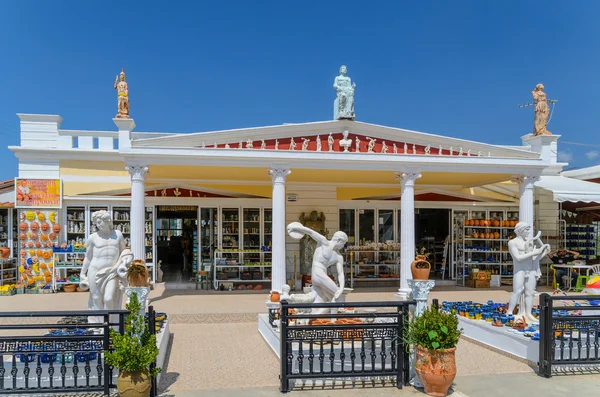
point(137, 274)
point(420, 267)
point(133, 353)
point(434, 334)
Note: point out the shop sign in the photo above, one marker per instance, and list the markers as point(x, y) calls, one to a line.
point(177, 208)
point(38, 193)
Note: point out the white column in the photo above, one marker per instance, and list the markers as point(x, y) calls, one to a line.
point(407, 229)
point(278, 269)
point(526, 185)
point(136, 215)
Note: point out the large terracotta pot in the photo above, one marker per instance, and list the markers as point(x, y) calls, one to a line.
point(436, 369)
point(5, 252)
point(420, 274)
point(136, 384)
point(275, 297)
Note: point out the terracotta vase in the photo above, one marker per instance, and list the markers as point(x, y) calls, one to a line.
point(136, 384)
point(476, 223)
point(5, 252)
point(436, 369)
point(275, 297)
point(420, 274)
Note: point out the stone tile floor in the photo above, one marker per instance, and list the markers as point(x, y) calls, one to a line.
point(215, 343)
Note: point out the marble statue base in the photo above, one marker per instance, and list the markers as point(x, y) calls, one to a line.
point(420, 293)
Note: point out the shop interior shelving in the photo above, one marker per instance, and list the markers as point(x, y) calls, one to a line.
point(67, 268)
point(373, 265)
point(8, 271)
point(149, 239)
point(75, 230)
point(582, 239)
point(231, 270)
point(489, 252)
point(122, 223)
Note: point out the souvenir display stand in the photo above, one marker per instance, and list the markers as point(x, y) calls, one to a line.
point(8, 264)
point(235, 273)
point(67, 268)
point(482, 248)
point(39, 230)
point(582, 239)
point(373, 265)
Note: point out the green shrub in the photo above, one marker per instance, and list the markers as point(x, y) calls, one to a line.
point(434, 330)
point(136, 349)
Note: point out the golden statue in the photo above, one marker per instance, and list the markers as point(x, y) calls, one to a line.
point(122, 95)
point(541, 111)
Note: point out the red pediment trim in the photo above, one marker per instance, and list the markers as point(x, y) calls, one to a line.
point(286, 143)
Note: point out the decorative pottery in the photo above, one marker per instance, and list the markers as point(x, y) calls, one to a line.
point(45, 226)
point(436, 369)
point(56, 228)
point(496, 235)
point(136, 384)
point(476, 223)
point(275, 297)
point(5, 252)
point(485, 223)
point(475, 235)
point(496, 223)
point(23, 226)
point(421, 272)
point(34, 226)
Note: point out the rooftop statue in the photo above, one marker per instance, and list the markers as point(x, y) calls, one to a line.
point(541, 111)
point(122, 96)
point(343, 107)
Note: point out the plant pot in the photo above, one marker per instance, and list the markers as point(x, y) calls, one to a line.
point(134, 384)
point(275, 297)
point(5, 252)
point(417, 273)
point(436, 369)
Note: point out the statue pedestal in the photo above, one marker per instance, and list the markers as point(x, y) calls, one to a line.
point(142, 297)
point(420, 293)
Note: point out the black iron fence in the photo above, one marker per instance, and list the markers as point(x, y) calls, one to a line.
point(62, 355)
point(356, 342)
point(569, 335)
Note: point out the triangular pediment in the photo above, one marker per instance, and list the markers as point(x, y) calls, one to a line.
point(280, 138)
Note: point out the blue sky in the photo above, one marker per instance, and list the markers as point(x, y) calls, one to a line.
point(452, 68)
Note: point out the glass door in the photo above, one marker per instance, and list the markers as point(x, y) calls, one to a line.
point(209, 236)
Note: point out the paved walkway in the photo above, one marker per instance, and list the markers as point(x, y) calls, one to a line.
point(215, 348)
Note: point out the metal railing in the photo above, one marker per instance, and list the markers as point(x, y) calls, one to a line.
point(365, 344)
point(569, 335)
point(64, 355)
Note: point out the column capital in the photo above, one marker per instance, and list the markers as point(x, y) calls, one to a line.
point(526, 181)
point(137, 172)
point(279, 175)
point(407, 178)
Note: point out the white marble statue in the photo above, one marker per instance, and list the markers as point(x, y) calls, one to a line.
point(292, 144)
point(357, 148)
point(263, 144)
point(276, 144)
point(371, 146)
point(318, 143)
point(305, 142)
point(327, 253)
point(384, 147)
point(395, 149)
point(428, 149)
point(249, 144)
point(405, 149)
point(345, 142)
point(343, 107)
point(104, 270)
point(330, 142)
point(526, 253)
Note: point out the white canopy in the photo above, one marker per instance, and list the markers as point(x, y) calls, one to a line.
point(567, 189)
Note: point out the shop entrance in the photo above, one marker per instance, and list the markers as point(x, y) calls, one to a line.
point(432, 231)
point(177, 242)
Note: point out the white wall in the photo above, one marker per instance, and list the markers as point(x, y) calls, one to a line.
point(321, 198)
